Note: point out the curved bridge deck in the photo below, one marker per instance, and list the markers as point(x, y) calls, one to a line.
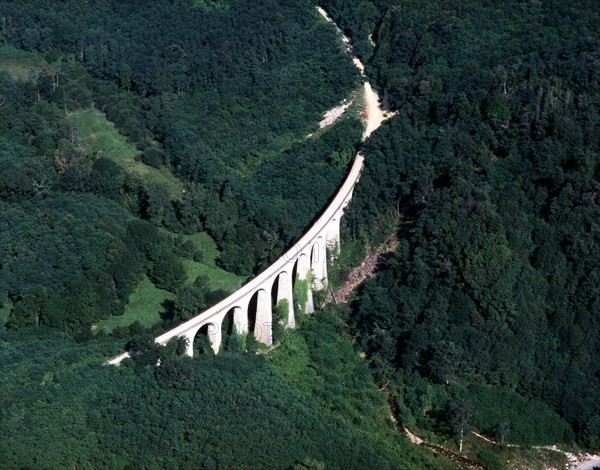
point(307, 259)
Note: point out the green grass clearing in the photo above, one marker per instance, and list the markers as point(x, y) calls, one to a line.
point(206, 245)
point(148, 174)
point(145, 303)
point(219, 278)
point(100, 138)
point(145, 306)
point(20, 64)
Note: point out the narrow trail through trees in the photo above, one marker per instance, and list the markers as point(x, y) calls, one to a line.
point(375, 111)
point(459, 459)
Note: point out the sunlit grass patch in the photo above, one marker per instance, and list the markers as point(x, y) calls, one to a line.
point(219, 278)
point(20, 64)
point(145, 307)
point(205, 245)
point(100, 138)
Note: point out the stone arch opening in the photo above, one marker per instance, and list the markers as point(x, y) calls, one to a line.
point(302, 285)
point(233, 339)
point(207, 340)
point(228, 324)
point(282, 300)
point(274, 290)
point(295, 272)
point(252, 313)
point(277, 328)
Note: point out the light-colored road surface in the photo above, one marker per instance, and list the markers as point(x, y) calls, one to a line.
point(375, 114)
point(589, 465)
point(334, 114)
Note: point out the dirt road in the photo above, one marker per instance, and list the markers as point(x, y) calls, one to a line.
point(375, 114)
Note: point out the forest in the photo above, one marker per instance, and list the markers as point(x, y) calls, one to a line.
point(488, 178)
point(302, 409)
point(144, 147)
point(155, 155)
point(107, 213)
point(309, 404)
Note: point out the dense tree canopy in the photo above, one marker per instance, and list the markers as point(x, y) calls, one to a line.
point(485, 316)
point(218, 98)
point(492, 168)
point(60, 406)
point(222, 98)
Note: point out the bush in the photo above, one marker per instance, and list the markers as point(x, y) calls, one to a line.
point(489, 459)
point(153, 157)
point(168, 273)
point(176, 374)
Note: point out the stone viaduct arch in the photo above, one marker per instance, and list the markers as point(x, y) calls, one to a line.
point(307, 258)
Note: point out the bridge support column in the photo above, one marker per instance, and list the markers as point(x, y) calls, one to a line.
point(214, 336)
point(302, 272)
point(319, 263)
point(284, 291)
point(264, 318)
point(333, 236)
point(240, 319)
point(189, 348)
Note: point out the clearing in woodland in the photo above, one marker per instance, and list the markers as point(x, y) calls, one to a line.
point(99, 138)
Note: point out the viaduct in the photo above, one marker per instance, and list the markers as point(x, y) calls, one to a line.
point(251, 306)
